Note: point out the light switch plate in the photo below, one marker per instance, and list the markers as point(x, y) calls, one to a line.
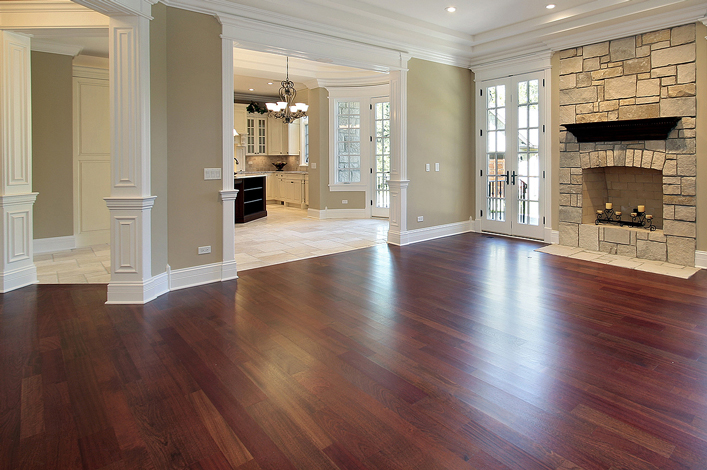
point(420, 218)
point(427, 167)
point(436, 166)
point(212, 173)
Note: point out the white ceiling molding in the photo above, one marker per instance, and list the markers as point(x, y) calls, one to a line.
point(48, 14)
point(120, 7)
point(88, 61)
point(371, 80)
point(39, 45)
point(512, 66)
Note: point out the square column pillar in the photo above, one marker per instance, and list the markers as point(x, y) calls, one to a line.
point(16, 196)
point(398, 183)
point(228, 194)
point(130, 202)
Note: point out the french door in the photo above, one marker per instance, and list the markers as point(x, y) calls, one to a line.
point(511, 156)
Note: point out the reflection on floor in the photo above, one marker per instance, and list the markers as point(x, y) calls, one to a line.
point(90, 265)
point(286, 234)
point(656, 267)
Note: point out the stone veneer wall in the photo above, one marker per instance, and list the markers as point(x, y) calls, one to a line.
point(645, 76)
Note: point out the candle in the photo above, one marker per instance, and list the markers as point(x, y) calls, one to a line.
point(618, 212)
point(633, 214)
point(641, 208)
point(649, 216)
point(599, 211)
point(609, 205)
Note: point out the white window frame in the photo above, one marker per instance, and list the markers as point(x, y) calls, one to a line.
point(364, 95)
point(304, 141)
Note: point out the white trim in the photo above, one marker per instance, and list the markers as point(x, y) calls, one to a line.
point(227, 194)
point(551, 236)
point(16, 278)
point(701, 259)
point(430, 233)
point(93, 73)
point(518, 65)
point(49, 245)
point(337, 213)
point(229, 270)
point(195, 276)
point(343, 82)
point(138, 292)
point(39, 45)
point(475, 225)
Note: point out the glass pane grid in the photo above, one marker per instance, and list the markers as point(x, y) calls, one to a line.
point(495, 157)
point(528, 179)
point(348, 142)
point(381, 118)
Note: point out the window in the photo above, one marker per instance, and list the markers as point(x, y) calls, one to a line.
point(353, 137)
point(348, 142)
point(256, 139)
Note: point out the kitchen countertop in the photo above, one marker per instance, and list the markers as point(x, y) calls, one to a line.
point(247, 175)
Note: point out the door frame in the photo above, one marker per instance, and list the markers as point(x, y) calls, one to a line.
point(542, 63)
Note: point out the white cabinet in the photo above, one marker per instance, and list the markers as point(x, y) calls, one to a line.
point(290, 188)
point(277, 135)
point(257, 135)
point(240, 115)
point(293, 138)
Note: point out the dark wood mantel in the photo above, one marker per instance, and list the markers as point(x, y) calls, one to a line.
point(634, 129)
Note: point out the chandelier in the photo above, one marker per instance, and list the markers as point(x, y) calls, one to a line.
point(286, 109)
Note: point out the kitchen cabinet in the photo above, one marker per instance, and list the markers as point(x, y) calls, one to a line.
point(240, 116)
point(290, 188)
point(293, 138)
point(257, 134)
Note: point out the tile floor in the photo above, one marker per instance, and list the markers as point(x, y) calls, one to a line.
point(286, 234)
point(657, 267)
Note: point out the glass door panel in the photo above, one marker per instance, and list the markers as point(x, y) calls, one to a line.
point(496, 156)
point(381, 152)
point(528, 194)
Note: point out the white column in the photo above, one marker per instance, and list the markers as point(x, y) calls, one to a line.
point(398, 164)
point(228, 194)
point(16, 196)
point(130, 202)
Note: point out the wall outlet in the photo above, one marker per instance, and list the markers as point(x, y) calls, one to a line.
point(427, 167)
point(436, 166)
point(344, 201)
point(212, 173)
point(420, 218)
point(313, 165)
point(203, 250)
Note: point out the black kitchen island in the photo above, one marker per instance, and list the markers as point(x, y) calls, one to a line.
point(250, 202)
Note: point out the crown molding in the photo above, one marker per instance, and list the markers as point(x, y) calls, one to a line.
point(141, 8)
point(371, 80)
point(39, 45)
point(48, 15)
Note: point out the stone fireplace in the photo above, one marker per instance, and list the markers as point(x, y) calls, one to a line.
point(647, 76)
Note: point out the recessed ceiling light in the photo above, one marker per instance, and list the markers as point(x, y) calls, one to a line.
point(269, 83)
point(451, 9)
point(250, 89)
point(550, 6)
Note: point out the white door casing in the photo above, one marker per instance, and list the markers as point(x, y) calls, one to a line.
point(91, 167)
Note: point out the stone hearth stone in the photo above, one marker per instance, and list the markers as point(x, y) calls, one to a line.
point(679, 228)
point(681, 251)
point(589, 237)
point(569, 234)
point(617, 235)
point(656, 236)
point(608, 248)
point(650, 250)
point(626, 250)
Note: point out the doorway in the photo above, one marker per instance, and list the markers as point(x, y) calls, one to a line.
point(511, 156)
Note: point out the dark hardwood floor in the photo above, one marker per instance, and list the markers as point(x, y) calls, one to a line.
point(468, 352)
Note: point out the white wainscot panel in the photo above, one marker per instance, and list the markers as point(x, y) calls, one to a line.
point(125, 250)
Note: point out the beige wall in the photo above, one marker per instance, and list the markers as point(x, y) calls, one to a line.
point(701, 32)
point(319, 195)
point(52, 145)
point(158, 135)
point(555, 142)
point(440, 130)
point(194, 137)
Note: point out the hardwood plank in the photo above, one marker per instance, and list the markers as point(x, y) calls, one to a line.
point(32, 407)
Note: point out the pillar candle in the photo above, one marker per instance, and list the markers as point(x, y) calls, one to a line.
point(633, 214)
point(599, 211)
point(609, 205)
point(641, 208)
point(618, 212)
point(649, 217)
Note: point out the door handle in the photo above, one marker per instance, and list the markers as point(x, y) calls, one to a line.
point(507, 173)
point(513, 178)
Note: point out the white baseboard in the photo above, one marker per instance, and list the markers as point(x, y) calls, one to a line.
point(475, 225)
point(337, 213)
point(49, 245)
point(551, 236)
point(194, 276)
point(138, 292)
point(229, 271)
point(429, 233)
point(701, 259)
point(16, 278)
